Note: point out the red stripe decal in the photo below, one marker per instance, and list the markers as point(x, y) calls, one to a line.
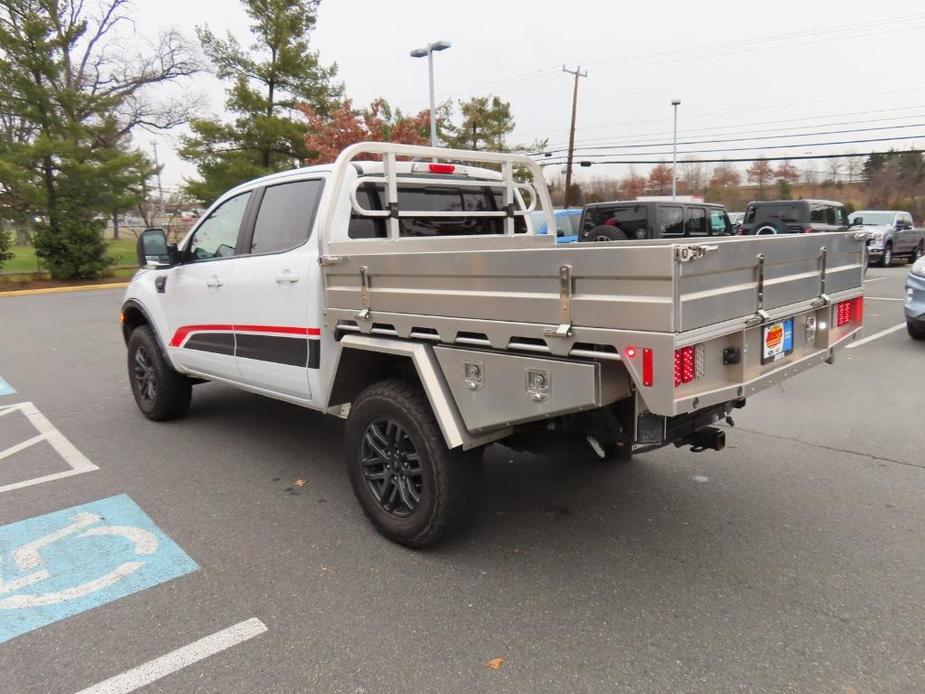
point(179, 337)
point(182, 333)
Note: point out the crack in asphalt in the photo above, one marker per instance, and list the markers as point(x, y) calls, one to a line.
point(834, 449)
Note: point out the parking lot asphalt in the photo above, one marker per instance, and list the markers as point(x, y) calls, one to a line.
point(791, 561)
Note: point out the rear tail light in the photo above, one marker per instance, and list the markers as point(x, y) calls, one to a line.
point(848, 311)
point(807, 230)
point(688, 364)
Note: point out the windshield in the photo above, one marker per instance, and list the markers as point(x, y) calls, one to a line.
point(874, 219)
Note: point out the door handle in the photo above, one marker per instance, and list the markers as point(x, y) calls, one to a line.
point(287, 277)
point(214, 281)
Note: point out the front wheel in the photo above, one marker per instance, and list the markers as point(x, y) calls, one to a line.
point(887, 258)
point(916, 330)
point(160, 392)
point(412, 488)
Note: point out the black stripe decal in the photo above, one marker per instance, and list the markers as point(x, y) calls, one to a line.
point(222, 343)
point(293, 351)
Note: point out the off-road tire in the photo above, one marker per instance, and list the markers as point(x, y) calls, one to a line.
point(774, 230)
point(916, 332)
point(172, 391)
point(604, 232)
point(448, 477)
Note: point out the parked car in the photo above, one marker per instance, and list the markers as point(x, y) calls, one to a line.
point(567, 223)
point(793, 217)
point(915, 300)
point(892, 234)
point(736, 218)
point(648, 219)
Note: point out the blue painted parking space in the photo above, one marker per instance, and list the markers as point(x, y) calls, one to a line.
point(64, 563)
point(6, 388)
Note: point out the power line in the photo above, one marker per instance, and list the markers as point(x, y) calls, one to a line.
point(751, 159)
point(735, 139)
point(788, 146)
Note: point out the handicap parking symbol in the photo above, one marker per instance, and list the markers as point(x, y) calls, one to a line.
point(64, 563)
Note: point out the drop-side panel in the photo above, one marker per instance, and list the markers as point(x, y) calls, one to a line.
point(724, 284)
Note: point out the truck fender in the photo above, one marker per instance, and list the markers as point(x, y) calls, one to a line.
point(363, 360)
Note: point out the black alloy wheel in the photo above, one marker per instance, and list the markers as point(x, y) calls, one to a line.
point(145, 377)
point(391, 467)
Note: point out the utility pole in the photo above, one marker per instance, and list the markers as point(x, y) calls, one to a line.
point(571, 137)
point(674, 151)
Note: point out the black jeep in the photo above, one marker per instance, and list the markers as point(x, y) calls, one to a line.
point(652, 219)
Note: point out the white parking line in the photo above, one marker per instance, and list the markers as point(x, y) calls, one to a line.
point(877, 336)
point(76, 461)
point(874, 279)
point(883, 298)
point(176, 660)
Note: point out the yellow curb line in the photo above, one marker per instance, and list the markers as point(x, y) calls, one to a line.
point(62, 290)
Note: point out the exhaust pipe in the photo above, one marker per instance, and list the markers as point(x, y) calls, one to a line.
point(703, 439)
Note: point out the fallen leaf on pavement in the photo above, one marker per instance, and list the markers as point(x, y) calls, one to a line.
point(299, 483)
point(496, 663)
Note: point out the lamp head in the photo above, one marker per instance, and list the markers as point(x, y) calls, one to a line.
point(419, 53)
point(440, 45)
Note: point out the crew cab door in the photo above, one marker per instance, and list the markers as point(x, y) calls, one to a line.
point(275, 296)
point(197, 296)
point(905, 236)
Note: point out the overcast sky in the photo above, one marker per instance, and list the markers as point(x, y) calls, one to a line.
point(741, 69)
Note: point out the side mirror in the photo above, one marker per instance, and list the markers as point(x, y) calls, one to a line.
point(153, 251)
point(857, 221)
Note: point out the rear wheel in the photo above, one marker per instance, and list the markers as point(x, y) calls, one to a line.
point(160, 392)
point(916, 330)
point(604, 232)
point(412, 488)
point(916, 253)
point(767, 230)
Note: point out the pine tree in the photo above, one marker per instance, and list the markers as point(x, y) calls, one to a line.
point(70, 104)
point(269, 80)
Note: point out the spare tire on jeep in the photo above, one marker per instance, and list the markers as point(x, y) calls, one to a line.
point(604, 232)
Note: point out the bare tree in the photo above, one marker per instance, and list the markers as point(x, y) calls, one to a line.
point(854, 165)
point(833, 168)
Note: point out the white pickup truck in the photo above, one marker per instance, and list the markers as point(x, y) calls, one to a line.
point(410, 296)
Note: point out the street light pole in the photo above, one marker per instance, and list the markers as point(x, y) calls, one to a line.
point(428, 52)
point(674, 151)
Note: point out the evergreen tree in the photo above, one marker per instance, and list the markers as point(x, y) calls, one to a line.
point(70, 103)
point(269, 80)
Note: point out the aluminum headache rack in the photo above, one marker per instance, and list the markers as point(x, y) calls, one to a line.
point(513, 191)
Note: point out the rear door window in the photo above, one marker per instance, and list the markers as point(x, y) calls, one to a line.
point(817, 214)
point(696, 221)
point(287, 213)
point(671, 220)
point(424, 198)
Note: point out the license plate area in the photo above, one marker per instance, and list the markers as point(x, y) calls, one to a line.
point(776, 340)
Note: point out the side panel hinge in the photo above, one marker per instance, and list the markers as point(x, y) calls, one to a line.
point(364, 313)
point(564, 329)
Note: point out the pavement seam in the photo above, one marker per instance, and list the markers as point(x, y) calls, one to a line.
point(834, 449)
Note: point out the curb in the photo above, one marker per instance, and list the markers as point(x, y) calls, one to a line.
point(63, 290)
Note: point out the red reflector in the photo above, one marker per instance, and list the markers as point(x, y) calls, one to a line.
point(629, 352)
point(683, 365)
point(442, 168)
point(647, 369)
point(859, 309)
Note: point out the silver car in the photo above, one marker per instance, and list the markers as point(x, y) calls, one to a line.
point(915, 300)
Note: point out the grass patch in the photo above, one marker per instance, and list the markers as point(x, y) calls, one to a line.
point(24, 259)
